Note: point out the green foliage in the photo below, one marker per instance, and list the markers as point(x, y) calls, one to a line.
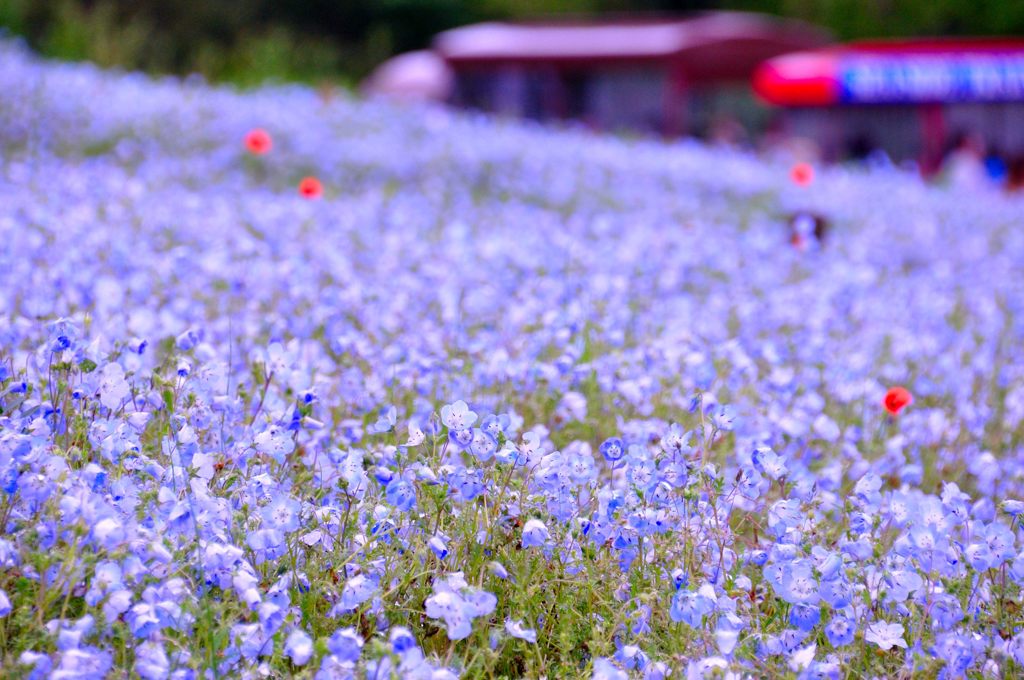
point(249, 41)
point(852, 19)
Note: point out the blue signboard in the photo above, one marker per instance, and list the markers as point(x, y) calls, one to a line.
point(877, 79)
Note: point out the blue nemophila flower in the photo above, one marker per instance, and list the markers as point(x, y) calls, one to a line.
point(401, 494)
point(573, 407)
point(829, 564)
point(62, 335)
point(723, 418)
point(401, 639)
point(84, 662)
point(535, 534)
point(385, 422)
point(885, 635)
point(691, 607)
point(1016, 647)
point(39, 662)
point(1000, 542)
point(109, 533)
point(416, 435)
point(272, 616)
point(674, 471)
point(612, 449)
point(346, 644)
point(794, 581)
point(640, 620)
point(784, 515)
point(641, 470)
point(840, 631)
point(804, 616)
point(838, 593)
point(188, 339)
point(383, 530)
point(438, 546)
point(457, 416)
point(957, 651)
point(803, 659)
point(728, 629)
point(509, 454)
point(461, 439)
point(246, 584)
point(606, 670)
point(498, 570)
point(466, 483)
point(945, 611)
point(275, 441)
point(298, 647)
point(517, 630)
point(768, 463)
point(1012, 507)
point(579, 462)
point(657, 670)
point(383, 475)
point(676, 441)
point(114, 388)
point(901, 584)
point(496, 425)
point(483, 445)
point(151, 661)
point(358, 590)
point(631, 657)
point(457, 604)
point(282, 514)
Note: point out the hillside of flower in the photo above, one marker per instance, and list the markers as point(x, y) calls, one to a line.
point(488, 400)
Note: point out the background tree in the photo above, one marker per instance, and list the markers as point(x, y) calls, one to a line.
point(247, 41)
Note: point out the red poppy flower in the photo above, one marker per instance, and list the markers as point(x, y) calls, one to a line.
point(310, 187)
point(802, 174)
point(896, 399)
point(258, 141)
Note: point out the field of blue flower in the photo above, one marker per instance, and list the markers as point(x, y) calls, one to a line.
point(502, 402)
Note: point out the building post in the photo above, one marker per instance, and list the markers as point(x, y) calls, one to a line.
point(933, 134)
point(674, 123)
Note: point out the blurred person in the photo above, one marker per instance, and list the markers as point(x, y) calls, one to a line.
point(964, 165)
point(1015, 174)
point(807, 230)
point(862, 149)
point(790, 149)
point(859, 147)
point(773, 138)
point(727, 131)
point(995, 166)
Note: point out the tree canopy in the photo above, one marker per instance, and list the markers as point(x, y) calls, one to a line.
point(250, 40)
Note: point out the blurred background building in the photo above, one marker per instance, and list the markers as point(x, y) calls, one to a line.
point(671, 77)
point(921, 99)
point(767, 74)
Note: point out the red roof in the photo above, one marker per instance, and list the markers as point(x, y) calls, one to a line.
point(717, 44)
point(956, 46)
